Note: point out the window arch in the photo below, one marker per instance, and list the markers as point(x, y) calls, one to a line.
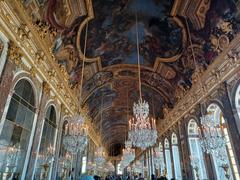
point(215, 110)
point(237, 101)
point(176, 158)
point(17, 129)
point(168, 158)
point(3, 51)
point(195, 149)
point(47, 140)
point(161, 157)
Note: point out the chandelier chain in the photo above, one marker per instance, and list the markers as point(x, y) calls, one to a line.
point(83, 62)
point(138, 59)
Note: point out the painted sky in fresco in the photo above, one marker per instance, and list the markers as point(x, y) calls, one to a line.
point(112, 33)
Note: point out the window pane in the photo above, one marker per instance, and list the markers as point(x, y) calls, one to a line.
point(12, 111)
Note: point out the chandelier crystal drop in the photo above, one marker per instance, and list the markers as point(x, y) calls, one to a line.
point(213, 138)
point(75, 138)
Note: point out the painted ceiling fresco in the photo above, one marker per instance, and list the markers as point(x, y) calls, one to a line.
point(168, 69)
point(112, 33)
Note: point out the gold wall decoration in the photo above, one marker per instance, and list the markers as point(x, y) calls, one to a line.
point(225, 66)
point(23, 32)
point(46, 88)
point(45, 29)
point(14, 54)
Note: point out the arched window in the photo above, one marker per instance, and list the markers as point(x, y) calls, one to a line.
point(227, 152)
point(195, 149)
point(237, 101)
point(3, 51)
point(176, 158)
point(168, 158)
point(63, 155)
point(47, 141)
point(161, 156)
point(84, 164)
point(17, 129)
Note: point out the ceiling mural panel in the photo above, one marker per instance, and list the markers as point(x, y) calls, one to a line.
point(112, 33)
point(168, 69)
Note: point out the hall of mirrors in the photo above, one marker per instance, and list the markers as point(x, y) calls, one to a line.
point(125, 89)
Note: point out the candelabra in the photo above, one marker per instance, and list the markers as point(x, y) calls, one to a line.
point(11, 159)
point(45, 160)
point(223, 160)
point(75, 138)
point(195, 163)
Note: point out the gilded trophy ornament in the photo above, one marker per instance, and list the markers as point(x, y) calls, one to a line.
point(1, 47)
point(46, 88)
point(45, 29)
point(15, 54)
point(22, 32)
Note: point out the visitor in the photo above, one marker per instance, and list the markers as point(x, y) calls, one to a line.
point(162, 178)
point(140, 177)
point(153, 177)
point(71, 174)
point(184, 176)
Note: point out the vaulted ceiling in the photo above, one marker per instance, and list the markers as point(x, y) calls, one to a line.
point(167, 68)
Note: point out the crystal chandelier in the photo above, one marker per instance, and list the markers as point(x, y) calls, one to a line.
point(110, 166)
point(137, 167)
point(128, 152)
point(47, 156)
point(100, 156)
point(213, 139)
point(66, 160)
point(91, 165)
point(75, 138)
point(142, 129)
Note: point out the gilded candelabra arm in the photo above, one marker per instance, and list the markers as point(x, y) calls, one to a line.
point(225, 167)
point(45, 170)
point(197, 172)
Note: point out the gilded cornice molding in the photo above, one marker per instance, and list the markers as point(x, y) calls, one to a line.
point(226, 65)
point(27, 42)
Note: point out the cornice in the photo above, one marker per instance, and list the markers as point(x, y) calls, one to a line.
point(226, 65)
point(36, 49)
